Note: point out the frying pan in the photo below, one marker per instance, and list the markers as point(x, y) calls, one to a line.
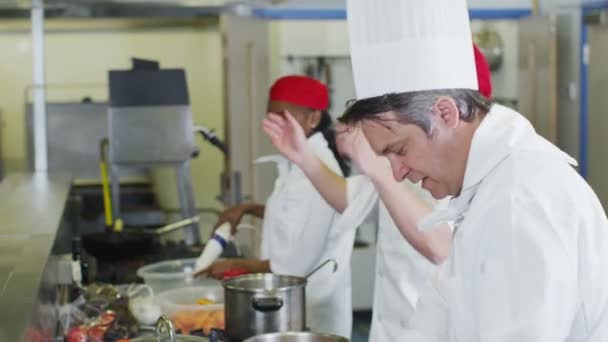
point(115, 243)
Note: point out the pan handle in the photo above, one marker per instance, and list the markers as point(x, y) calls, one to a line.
point(321, 266)
point(173, 226)
point(267, 304)
point(218, 335)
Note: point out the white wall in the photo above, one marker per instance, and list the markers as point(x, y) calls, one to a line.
point(79, 54)
point(330, 38)
point(314, 38)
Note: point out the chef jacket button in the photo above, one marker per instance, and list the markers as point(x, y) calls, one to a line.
point(403, 325)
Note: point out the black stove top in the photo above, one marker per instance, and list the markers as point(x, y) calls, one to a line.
point(124, 271)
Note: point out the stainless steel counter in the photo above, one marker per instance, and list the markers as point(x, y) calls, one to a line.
point(31, 209)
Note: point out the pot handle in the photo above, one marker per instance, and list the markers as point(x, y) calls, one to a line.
point(218, 335)
point(164, 322)
point(267, 304)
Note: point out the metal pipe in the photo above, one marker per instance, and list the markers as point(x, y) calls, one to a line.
point(604, 17)
point(226, 176)
point(1, 163)
point(105, 183)
point(186, 200)
point(253, 128)
point(553, 84)
point(39, 106)
point(533, 84)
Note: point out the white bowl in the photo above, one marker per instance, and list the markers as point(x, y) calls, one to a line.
point(173, 274)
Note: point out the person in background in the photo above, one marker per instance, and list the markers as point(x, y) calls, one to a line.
point(402, 267)
point(298, 224)
point(529, 258)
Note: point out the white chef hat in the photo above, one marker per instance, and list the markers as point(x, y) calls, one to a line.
point(400, 46)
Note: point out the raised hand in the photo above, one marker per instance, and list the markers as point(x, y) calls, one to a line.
point(352, 142)
point(287, 136)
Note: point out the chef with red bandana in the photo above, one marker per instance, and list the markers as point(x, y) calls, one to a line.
point(299, 225)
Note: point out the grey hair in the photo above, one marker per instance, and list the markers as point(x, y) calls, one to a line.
point(415, 107)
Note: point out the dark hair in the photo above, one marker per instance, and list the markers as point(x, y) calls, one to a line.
point(326, 127)
point(414, 107)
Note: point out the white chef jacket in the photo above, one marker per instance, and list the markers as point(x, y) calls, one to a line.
point(400, 270)
point(298, 236)
point(530, 255)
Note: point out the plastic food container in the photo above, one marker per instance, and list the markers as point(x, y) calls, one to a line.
point(180, 306)
point(172, 274)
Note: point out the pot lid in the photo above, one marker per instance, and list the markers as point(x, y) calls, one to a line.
point(263, 282)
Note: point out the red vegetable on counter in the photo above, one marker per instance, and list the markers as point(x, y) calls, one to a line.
point(94, 331)
point(77, 334)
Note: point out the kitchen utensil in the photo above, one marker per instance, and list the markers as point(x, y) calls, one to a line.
point(164, 323)
point(185, 309)
point(213, 248)
point(259, 303)
point(171, 274)
point(115, 243)
point(297, 337)
point(321, 266)
point(119, 244)
point(264, 303)
point(142, 304)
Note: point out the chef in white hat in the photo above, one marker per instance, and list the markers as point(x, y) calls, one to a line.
point(529, 260)
point(403, 265)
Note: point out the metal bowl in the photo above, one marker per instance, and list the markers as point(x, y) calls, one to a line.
point(296, 337)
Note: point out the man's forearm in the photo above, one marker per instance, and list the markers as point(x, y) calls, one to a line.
point(254, 209)
point(406, 210)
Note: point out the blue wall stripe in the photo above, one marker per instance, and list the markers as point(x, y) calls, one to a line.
point(495, 14)
point(596, 5)
point(300, 14)
point(584, 92)
point(340, 13)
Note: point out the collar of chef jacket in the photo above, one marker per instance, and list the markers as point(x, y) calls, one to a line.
point(318, 143)
point(500, 132)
